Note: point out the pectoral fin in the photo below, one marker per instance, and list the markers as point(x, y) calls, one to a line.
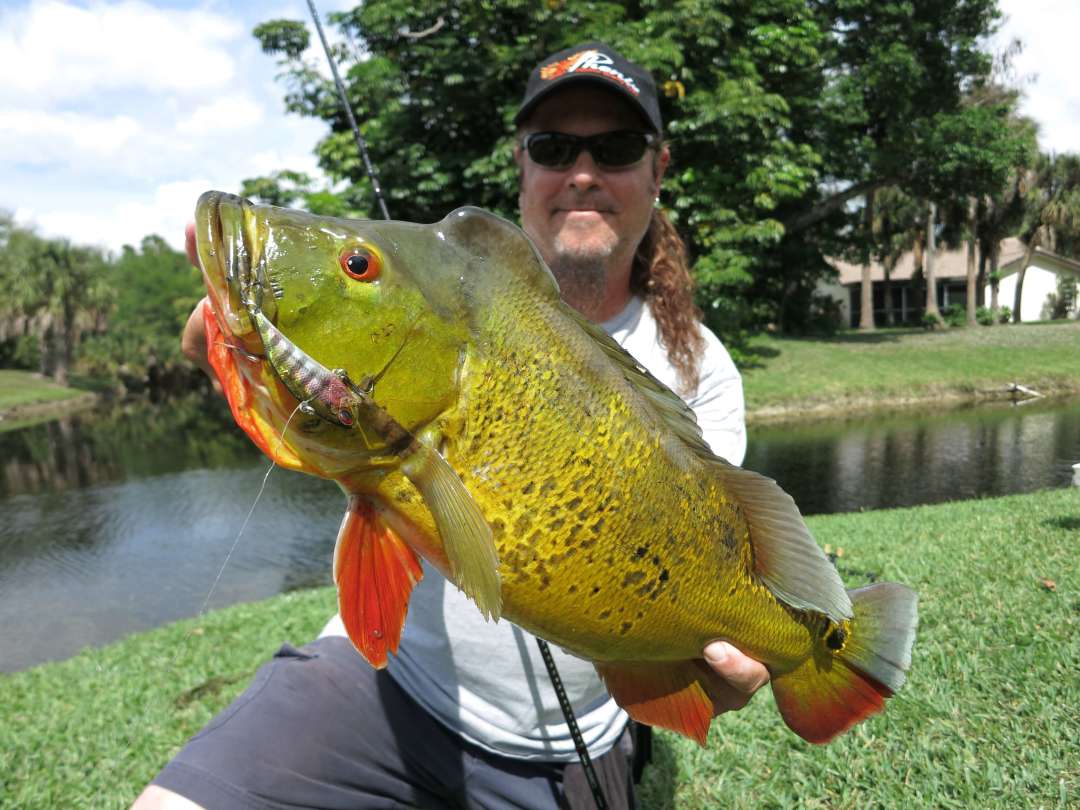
point(669, 694)
point(466, 536)
point(375, 572)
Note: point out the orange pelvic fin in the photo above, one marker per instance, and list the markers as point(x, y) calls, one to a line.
point(834, 689)
point(375, 572)
point(669, 694)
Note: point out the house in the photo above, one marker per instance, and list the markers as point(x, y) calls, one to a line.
point(908, 289)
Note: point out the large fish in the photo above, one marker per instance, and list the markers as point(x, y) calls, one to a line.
point(475, 420)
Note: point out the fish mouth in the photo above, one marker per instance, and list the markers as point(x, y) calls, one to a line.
point(230, 253)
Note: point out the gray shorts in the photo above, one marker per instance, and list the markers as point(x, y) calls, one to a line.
point(319, 728)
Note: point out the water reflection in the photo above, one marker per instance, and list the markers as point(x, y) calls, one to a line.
point(118, 522)
point(910, 459)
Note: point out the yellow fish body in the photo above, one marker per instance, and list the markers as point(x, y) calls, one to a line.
point(474, 419)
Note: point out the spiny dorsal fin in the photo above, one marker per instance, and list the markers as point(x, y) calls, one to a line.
point(676, 414)
point(786, 557)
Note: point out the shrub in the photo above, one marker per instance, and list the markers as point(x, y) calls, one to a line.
point(955, 315)
point(984, 316)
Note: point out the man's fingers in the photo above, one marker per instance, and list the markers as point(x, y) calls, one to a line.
point(738, 676)
point(189, 243)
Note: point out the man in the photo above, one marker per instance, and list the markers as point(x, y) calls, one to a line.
point(465, 715)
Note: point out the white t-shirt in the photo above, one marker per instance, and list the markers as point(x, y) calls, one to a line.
point(486, 681)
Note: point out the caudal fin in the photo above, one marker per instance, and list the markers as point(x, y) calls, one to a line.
point(855, 669)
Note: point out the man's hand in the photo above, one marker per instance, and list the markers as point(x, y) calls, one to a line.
point(193, 340)
point(738, 676)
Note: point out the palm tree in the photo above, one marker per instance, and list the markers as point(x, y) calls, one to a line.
point(57, 291)
point(1052, 210)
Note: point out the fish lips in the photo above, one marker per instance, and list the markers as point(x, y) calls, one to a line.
point(229, 252)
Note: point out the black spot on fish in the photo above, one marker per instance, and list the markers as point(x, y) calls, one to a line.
point(595, 590)
point(835, 640)
point(625, 628)
point(655, 560)
point(727, 537)
point(604, 614)
point(633, 578)
point(664, 575)
point(572, 589)
point(641, 551)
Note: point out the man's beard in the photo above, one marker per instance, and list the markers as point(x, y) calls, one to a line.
point(582, 275)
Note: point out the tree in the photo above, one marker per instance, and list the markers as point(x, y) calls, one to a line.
point(778, 112)
point(56, 290)
point(1052, 211)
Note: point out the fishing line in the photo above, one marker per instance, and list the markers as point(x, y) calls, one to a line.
point(251, 511)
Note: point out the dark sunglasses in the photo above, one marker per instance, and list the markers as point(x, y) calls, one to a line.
point(559, 150)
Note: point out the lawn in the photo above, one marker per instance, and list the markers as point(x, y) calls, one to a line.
point(19, 388)
point(859, 370)
point(988, 717)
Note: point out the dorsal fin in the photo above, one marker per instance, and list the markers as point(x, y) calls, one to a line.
point(786, 557)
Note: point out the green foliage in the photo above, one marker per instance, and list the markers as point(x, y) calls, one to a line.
point(69, 307)
point(984, 316)
point(955, 315)
point(54, 293)
point(154, 289)
point(771, 107)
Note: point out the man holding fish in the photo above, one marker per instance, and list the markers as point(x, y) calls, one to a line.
point(464, 715)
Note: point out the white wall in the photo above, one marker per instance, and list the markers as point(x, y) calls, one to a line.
point(1038, 284)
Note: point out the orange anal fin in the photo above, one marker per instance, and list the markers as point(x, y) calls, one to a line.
point(375, 572)
point(670, 694)
point(820, 700)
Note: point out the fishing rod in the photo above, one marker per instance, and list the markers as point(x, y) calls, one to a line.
point(545, 650)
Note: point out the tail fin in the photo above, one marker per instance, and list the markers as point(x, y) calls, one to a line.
point(836, 688)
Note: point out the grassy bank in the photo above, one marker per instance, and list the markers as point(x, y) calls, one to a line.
point(988, 718)
point(26, 398)
point(855, 371)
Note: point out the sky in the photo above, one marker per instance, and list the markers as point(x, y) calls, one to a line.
point(116, 114)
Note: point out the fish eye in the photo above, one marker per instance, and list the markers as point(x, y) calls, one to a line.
point(360, 263)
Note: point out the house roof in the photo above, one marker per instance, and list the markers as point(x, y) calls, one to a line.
point(953, 264)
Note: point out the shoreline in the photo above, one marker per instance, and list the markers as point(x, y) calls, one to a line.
point(944, 399)
point(29, 413)
point(794, 412)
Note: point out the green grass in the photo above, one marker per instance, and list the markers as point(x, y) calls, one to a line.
point(988, 717)
point(20, 388)
point(859, 370)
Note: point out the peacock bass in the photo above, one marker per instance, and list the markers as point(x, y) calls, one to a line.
point(475, 420)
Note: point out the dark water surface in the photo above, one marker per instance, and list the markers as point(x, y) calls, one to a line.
point(118, 522)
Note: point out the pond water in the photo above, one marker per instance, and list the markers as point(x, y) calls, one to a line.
point(116, 522)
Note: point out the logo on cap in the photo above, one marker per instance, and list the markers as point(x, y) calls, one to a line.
point(590, 61)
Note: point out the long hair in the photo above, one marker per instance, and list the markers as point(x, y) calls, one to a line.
point(661, 275)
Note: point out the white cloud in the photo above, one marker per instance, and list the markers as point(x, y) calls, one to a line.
point(1048, 62)
point(37, 136)
point(59, 50)
point(124, 220)
point(230, 113)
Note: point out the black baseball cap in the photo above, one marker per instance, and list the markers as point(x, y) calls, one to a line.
point(599, 64)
